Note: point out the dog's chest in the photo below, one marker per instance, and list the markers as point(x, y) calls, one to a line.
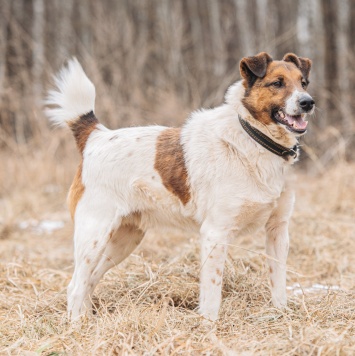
point(253, 216)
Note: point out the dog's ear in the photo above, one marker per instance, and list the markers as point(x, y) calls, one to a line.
point(304, 64)
point(252, 68)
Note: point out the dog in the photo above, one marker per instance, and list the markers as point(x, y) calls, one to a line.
point(222, 174)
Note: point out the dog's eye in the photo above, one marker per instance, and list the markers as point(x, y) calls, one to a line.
point(277, 84)
point(304, 84)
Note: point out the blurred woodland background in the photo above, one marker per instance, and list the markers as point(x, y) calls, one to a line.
point(154, 61)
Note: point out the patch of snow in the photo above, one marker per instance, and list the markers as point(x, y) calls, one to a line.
point(41, 227)
point(316, 288)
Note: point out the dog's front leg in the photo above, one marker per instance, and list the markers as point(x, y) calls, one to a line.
point(213, 256)
point(277, 244)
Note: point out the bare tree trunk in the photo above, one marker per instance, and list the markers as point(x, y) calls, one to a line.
point(265, 32)
point(245, 28)
point(217, 39)
point(85, 30)
point(38, 47)
point(18, 51)
point(352, 29)
point(4, 19)
point(329, 12)
point(351, 49)
point(65, 38)
point(196, 32)
point(342, 54)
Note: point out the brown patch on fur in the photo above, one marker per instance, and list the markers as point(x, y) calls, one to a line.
point(170, 164)
point(87, 260)
point(82, 129)
point(76, 191)
point(270, 269)
point(213, 281)
point(95, 244)
point(271, 283)
point(219, 272)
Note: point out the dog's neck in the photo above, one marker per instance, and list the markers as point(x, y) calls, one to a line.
point(276, 133)
point(285, 152)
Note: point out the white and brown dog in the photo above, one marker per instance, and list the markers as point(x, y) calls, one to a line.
point(222, 174)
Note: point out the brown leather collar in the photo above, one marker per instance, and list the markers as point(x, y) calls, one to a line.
point(268, 143)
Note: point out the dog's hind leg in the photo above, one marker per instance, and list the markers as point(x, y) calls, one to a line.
point(96, 220)
point(277, 244)
point(120, 245)
point(95, 257)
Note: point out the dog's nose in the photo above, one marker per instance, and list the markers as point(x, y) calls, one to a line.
point(306, 103)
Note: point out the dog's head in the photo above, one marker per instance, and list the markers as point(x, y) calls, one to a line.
point(276, 91)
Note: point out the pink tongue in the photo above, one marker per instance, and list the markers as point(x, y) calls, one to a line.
point(297, 122)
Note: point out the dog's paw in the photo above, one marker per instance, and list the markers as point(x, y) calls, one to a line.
point(209, 316)
point(279, 302)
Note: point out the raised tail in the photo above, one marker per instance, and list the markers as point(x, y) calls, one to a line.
point(72, 102)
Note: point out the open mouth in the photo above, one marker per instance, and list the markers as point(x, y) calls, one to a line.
point(295, 123)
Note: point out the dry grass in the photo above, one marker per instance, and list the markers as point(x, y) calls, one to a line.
point(147, 304)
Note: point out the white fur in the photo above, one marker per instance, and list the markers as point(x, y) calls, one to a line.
point(74, 95)
point(292, 106)
point(236, 187)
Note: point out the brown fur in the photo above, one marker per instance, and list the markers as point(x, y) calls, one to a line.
point(170, 164)
point(304, 64)
point(82, 129)
point(76, 191)
point(254, 67)
point(262, 97)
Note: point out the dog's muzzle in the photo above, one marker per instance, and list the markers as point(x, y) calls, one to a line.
point(306, 103)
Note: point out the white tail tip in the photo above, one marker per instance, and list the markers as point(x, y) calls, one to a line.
point(73, 96)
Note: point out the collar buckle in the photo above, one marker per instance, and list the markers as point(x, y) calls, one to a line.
point(290, 152)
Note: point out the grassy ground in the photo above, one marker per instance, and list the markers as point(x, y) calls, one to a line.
point(147, 304)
